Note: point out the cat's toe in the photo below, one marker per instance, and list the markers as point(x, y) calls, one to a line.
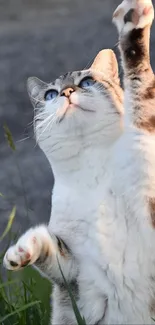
point(145, 11)
point(25, 252)
point(15, 258)
point(132, 14)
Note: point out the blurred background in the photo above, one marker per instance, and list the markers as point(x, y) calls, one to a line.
point(45, 38)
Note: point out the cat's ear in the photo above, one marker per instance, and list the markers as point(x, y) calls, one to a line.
point(106, 63)
point(35, 88)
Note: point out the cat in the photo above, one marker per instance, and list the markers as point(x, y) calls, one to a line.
point(77, 120)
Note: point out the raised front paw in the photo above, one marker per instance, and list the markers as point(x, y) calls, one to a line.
point(25, 252)
point(131, 14)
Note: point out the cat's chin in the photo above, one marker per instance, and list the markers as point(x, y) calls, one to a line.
point(69, 109)
point(75, 107)
point(72, 108)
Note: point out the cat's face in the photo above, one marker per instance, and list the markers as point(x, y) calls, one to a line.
point(78, 104)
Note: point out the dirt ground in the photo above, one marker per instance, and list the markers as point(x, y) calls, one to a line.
point(44, 38)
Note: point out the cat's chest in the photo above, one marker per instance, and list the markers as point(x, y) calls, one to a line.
point(77, 203)
point(77, 196)
point(76, 210)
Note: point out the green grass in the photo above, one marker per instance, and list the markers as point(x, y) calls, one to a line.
point(24, 295)
point(24, 298)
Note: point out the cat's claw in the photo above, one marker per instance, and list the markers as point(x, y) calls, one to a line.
point(132, 14)
point(25, 252)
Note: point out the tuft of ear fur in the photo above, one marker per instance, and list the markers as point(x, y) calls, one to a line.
point(106, 63)
point(35, 86)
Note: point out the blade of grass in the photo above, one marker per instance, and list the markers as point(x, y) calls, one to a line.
point(5, 284)
point(9, 137)
point(79, 318)
point(9, 225)
point(20, 310)
point(11, 144)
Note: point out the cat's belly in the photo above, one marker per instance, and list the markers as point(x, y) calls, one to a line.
point(100, 227)
point(116, 298)
point(116, 284)
point(74, 215)
point(114, 256)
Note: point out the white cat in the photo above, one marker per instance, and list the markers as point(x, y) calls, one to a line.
point(78, 118)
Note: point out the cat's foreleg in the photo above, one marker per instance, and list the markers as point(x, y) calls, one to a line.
point(42, 249)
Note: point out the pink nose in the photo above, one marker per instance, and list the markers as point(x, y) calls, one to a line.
point(67, 91)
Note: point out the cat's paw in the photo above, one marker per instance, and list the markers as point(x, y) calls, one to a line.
point(133, 14)
point(26, 251)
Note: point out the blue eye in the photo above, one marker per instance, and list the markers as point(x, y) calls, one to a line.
point(51, 94)
point(86, 82)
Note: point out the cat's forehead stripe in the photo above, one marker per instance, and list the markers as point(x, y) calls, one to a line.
point(72, 75)
point(66, 75)
point(69, 77)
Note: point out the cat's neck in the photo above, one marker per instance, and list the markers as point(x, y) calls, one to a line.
point(76, 158)
point(83, 165)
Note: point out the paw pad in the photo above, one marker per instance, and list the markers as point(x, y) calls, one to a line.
point(138, 14)
point(131, 16)
point(13, 264)
point(27, 250)
point(25, 263)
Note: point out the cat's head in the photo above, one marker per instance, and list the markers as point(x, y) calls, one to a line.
point(79, 108)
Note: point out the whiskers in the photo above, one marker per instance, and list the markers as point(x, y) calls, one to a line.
point(46, 124)
point(40, 117)
point(23, 139)
point(37, 101)
point(115, 46)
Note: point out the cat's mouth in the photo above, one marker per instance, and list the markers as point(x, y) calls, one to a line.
point(69, 107)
